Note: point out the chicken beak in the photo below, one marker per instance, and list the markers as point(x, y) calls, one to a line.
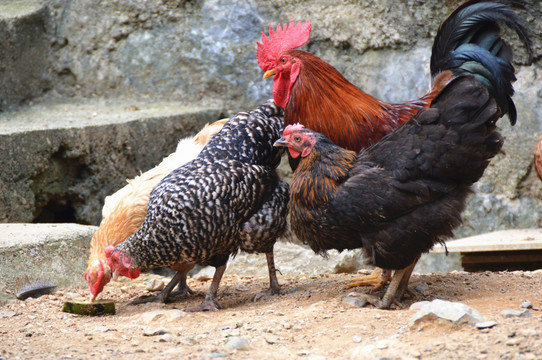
point(269, 73)
point(280, 142)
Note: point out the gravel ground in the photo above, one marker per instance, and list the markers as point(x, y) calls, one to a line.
point(310, 320)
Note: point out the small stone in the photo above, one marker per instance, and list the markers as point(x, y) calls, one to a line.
point(382, 344)
point(454, 312)
point(303, 353)
point(7, 314)
point(213, 355)
point(528, 332)
point(102, 329)
point(513, 342)
point(155, 285)
point(355, 301)
point(485, 324)
point(526, 304)
point(237, 343)
point(287, 326)
point(356, 338)
point(162, 315)
point(155, 332)
point(508, 313)
point(165, 338)
point(421, 287)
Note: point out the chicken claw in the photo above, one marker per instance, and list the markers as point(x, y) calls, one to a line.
point(208, 305)
point(378, 279)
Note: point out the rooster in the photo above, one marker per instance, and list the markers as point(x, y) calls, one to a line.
point(315, 94)
point(229, 198)
point(124, 211)
point(400, 196)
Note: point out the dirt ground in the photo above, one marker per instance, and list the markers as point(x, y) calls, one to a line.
point(309, 321)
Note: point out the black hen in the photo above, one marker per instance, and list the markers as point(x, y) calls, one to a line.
point(229, 198)
point(399, 197)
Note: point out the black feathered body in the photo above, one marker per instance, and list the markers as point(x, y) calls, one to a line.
point(228, 198)
point(399, 197)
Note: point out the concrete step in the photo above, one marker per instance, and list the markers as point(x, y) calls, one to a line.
point(60, 159)
point(24, 50)
point(52, 252)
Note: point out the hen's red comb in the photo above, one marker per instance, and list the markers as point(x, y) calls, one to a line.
point(290, 128)
point(290, 37)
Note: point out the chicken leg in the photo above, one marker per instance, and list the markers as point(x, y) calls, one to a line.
point(397, 287)
point(377, 279)
point(179, 278)
point(211, 302)
point(274, 287)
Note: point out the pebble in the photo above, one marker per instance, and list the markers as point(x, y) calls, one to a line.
point(237, 343)
point(7, 314)
point(421, 287)
point(355, 301)
point(102, 329)
point(161, 315)
point(526, 304)
point(455, 312)
point(528, 332)
point(513, 342)
point(155, 285)
point(213, 355)
point(165, 338)
point(508, 313)
point(287, 325)
point(485, 324)
point(156, 331)
point(381, 344)
point(356, 338)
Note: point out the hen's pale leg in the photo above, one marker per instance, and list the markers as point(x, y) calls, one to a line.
point(274, 287)
point(163, 297)
point(183, 289)
point(397, 287)
point(378, 279)
point(211, 302)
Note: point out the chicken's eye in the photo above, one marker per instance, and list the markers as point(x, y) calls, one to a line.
point(297, 138)
point(283, 60)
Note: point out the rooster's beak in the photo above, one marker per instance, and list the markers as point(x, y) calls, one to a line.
point(281, 142)
point(269, 73)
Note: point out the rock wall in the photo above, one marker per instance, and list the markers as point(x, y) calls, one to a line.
point(203, 53)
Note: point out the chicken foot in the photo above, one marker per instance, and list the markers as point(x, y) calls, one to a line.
point(211, 302)
point(397, 287)
point(274, 287)
point(377, 279)
point(164, 296)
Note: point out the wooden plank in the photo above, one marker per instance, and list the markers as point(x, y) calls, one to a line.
point(505, 240)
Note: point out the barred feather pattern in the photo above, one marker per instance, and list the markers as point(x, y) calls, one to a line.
point(229, 198)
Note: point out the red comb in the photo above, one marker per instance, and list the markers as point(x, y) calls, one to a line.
point(290, 128)
point(290, 37)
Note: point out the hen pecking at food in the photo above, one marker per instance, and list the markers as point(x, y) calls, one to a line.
point(124, 211)
point(229, 198)
point(399, 197)
point(315, 94)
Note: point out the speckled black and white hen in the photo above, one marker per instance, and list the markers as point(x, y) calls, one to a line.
point(229, 198)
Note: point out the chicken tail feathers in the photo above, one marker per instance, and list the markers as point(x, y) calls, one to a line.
point(469, 42)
